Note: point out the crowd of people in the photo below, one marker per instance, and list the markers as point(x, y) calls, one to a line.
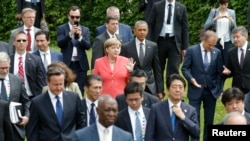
point(122, 99)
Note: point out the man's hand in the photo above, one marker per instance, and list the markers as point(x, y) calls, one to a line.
point(160, 96)
point(226, 71)
point(178, 112)
point(24, 121)
point(193, 81)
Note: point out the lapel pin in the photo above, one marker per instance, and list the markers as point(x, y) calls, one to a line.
point(29, 58)
point(185, 110)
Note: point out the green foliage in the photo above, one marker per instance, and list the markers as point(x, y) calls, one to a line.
point(93, 14)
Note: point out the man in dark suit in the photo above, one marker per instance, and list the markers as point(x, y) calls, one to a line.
point(98, 44)
point(172, 118)
point(15, 92)
point(74, 39)
point(237, 65)
point(233, 101)
point(127, 118)
point(6, 131)
point(27, 66)
point(104, 129)
point(150, 61)
point(123, 30)
point(93, 89)
point(4, 47)
point(56, 114)
point(202, 68)
point(28, 18)
point(45, 53)
point(146, 6)
point(38, 5)
point(138, 76)
point(170, 32)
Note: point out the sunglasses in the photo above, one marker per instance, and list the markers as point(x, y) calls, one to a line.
point(21, 40)
point(75, 17)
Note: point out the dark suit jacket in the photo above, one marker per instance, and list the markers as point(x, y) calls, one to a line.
point(21, 4)
point(247, 102)
point(193, 68)
point(156, 19)
point(85, 109)
point(6, 132)
point(124, 31)
point(43, 124)
point(18, 94)
point(91, 134)
point(124, 121)
point(151, 64)
point(4, 47)
point(148, 100)
point(64, 41)
point(159, 126)
point(98, 46)
point(34, 71)
point(241, 76)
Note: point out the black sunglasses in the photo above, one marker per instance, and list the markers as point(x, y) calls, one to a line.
point(21, 40)
point(73, 17)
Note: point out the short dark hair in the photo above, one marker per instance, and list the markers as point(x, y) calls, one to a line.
point(43, 32)
point(109, 18)
point(138, 73)
point(55, 70)
point(91, 77)
point(173, 77)
point(223, 1)
point(230, 94)
point(133, 87)
point(74, 8)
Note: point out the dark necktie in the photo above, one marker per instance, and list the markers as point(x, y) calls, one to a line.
point(173, 120)
point(242, 58)
point(3, 91)
point(59, 110)
point(138, 130)
point(169, 13)
point(141, 54)
point(29, 40)
point(205, 62)
point(20, 68)
point(92, 114)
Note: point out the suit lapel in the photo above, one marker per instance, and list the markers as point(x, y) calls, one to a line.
point(247, 55)
point(199, 55)
point(165, 111)
point(28, 64)
point(127, 119)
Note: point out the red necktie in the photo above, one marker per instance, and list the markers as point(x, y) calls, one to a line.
point(29, 40)
point(20, 68)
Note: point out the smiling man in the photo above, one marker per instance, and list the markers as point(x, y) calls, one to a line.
point(104, 129)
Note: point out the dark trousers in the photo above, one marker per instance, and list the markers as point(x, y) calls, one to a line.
point(39, 14)
point(167, 49)
point(209, 104)
point(80, 74)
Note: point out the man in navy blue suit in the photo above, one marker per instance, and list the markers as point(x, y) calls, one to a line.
point(74, 39)
point(202, 68)
point(104, 129)
point(123, 30)
point(47, 55)
point(172, 119)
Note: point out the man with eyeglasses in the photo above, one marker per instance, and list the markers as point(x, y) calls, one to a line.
point(27, 66)
point(135, 112)
point(28, 17)
point(74, 39)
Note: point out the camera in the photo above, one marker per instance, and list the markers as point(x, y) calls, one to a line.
point(76, 35)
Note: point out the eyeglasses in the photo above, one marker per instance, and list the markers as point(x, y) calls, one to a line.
point(75, 17)
point(21, 40)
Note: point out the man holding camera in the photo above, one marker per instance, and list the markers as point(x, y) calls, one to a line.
point(74, 39)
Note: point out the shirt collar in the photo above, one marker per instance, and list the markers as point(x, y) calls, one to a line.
point(89, 102)
point(47, 52)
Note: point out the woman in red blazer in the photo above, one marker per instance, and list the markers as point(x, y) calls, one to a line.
point(114, 69)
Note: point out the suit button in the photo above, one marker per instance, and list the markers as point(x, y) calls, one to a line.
point(173, 138)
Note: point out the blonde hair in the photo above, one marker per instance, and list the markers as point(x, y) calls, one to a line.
point(111, 42)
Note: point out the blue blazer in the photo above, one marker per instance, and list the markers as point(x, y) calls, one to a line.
point(159, 127)
point(193, 68)
point(55, 56)
point(43, 123)
point(124, 31)
point(91, 134)
point(65, 43)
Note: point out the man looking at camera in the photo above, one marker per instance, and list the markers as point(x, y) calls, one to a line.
point(74, 39)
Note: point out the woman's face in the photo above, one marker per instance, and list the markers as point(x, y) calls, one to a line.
point(223, 6)
point(114, 50)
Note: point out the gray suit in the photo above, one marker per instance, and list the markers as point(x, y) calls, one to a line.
point(97, 50)
point(18, 94)
point(4, 47)
point(14, 31)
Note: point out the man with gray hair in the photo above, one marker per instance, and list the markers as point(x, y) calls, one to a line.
point(12, 89)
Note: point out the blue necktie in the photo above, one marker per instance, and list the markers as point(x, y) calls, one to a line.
point(92, 114)
point(173, 119)
point(3, 91)
point(59, 110)
point(206, 62)
point(138, 130)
